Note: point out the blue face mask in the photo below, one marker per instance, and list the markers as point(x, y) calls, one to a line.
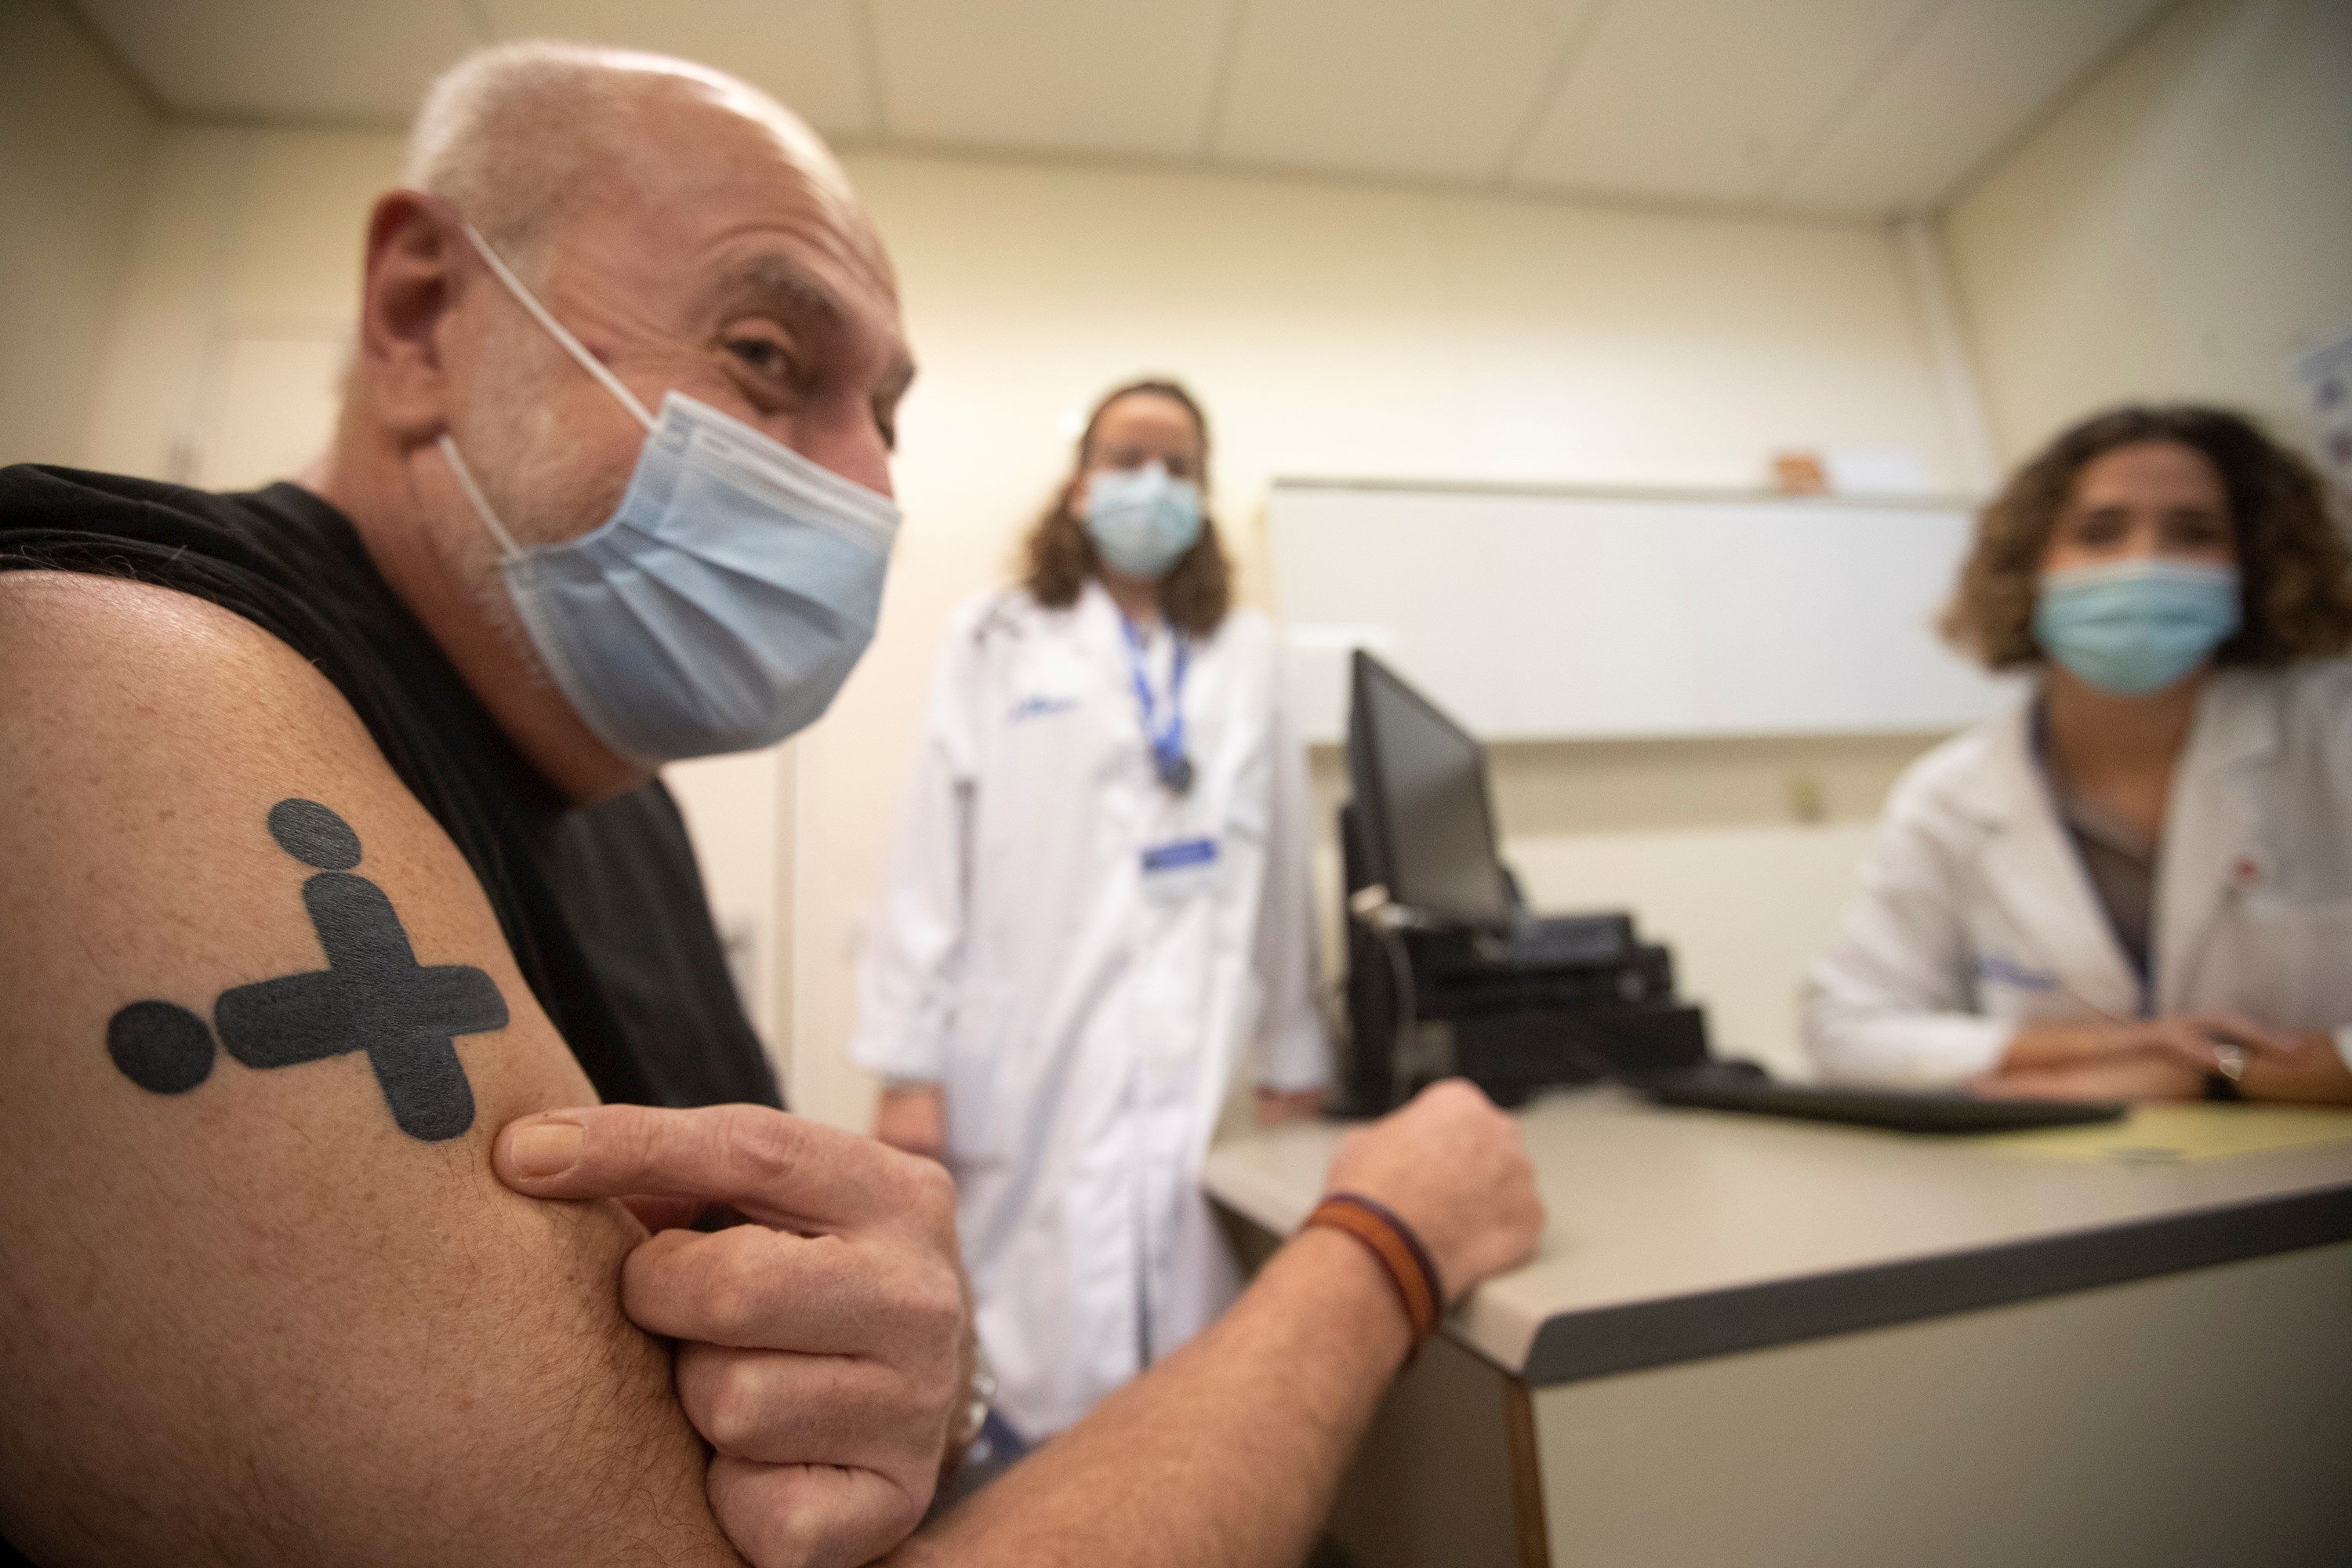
point(1142, 521)
point(2136, 627)
point(722, 605)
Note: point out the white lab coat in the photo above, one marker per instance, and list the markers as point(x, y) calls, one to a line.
point(1975, 913)
point(1086, 1016)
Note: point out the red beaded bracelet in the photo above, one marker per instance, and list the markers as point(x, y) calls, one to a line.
point(1407, 1263)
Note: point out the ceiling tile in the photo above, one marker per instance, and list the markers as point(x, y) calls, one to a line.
point(1856, 108)
point(1134, 76)
point(1429, 88)
point(286, 59)
point(1707, 99)
point(810, 54)
point(1973, 80)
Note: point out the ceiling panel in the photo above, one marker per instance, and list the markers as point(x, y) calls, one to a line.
point(1859, 108)
point(1707, 99)
point(1432, 87)
point(809, 53)
point(1134, 76)
point(1972, 79)
point(287, 58)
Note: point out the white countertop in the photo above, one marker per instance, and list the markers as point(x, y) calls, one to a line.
point(1649, 1205)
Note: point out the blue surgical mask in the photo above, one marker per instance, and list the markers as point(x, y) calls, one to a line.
point(2136, 627)
point(1142, 521)
point(725, 600)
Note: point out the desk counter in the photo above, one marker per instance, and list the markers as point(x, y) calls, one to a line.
point(1755, 1341)
point(1678, 1233)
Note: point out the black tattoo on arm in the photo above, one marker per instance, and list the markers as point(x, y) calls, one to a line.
point(373, 997)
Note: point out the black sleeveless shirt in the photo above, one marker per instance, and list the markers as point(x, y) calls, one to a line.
point(601, 906)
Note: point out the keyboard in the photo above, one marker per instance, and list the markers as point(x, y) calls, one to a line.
point(1899, 1109)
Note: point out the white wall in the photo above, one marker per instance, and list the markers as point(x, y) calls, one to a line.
point(2181, 228)
point(1354, 331)
point(74, 139)
point(1333, 330)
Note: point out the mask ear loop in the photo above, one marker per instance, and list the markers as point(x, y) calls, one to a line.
point(572, 345)
point(507, 546)
point(555, 329)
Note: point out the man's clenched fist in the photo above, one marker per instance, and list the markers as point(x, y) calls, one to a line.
point(1454, 1168)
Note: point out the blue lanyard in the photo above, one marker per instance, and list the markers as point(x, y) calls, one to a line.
point(1167, 740)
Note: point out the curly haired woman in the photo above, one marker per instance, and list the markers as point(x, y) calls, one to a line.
point(2136, 882)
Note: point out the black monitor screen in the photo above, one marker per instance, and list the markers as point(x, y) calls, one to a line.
point(1420, 782)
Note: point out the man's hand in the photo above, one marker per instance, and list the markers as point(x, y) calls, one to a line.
point(1452, 1167)
point(1226, 1454)
point(822, 1348)
point(913, 1117)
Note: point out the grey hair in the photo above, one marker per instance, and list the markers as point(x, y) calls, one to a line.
point(514, 135)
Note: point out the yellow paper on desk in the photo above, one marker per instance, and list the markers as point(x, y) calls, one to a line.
point(2167, 1134)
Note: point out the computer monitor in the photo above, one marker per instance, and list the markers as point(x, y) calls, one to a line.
point(1420, 784)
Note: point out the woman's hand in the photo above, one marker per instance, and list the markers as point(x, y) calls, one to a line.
point(2145, 1073)
point(913, 1117)
point(2302, 1066)
point(2049, 1044)
point(824, 1350)
point(2168, 1058)
point(2104, 1059)
point(1277, 1106)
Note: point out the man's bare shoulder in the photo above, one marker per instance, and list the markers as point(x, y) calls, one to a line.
point(77, 649)
point(182, 796)
point(263, 1297)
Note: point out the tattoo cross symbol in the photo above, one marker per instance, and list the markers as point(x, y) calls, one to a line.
point(373, 997)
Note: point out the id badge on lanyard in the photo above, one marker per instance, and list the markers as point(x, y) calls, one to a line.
point(1170, 757)
point(1182, 869)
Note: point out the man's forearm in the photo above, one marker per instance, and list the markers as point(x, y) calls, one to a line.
point(1224, 1456)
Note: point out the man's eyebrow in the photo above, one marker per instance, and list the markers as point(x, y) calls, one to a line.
point(783, 284)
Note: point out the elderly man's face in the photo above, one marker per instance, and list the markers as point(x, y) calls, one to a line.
point(712, 263)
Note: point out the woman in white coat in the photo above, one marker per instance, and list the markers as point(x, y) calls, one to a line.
point(2136, 882)
point(1097, 907)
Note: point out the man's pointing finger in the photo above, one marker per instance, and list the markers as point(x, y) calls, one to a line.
point(776, 1168)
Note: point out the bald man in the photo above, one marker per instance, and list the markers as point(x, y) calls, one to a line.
point(336, 892)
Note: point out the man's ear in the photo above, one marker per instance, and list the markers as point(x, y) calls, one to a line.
point(410, 289)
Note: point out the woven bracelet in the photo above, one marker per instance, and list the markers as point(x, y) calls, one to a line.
point(1400, 1254)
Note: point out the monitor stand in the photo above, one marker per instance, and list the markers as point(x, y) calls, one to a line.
point(1561, 999)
